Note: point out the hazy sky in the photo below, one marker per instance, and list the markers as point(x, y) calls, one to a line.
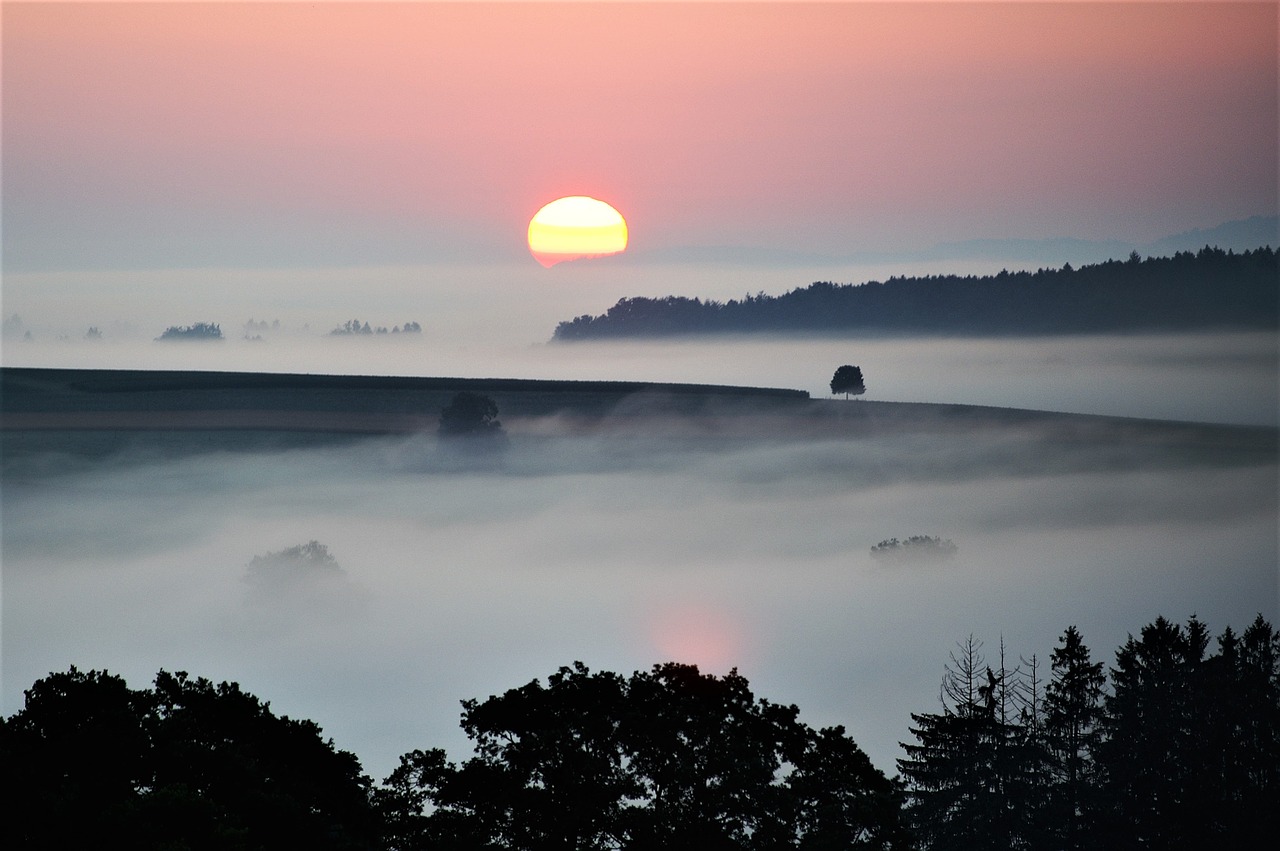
point(261, 134)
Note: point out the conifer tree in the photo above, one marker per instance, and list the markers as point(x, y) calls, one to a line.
point(1073, 715)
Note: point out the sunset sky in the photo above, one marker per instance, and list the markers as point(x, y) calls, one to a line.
point(162, 135)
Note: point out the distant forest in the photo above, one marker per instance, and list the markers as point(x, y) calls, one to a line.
point(1206, 290)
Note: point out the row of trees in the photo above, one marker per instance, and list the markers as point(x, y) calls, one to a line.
point(1178, 749)
point(354, 327)
point(1209, 289)
point(255, 329)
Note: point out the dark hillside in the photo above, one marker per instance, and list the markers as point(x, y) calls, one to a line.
point(142, 399)
point(96, 413)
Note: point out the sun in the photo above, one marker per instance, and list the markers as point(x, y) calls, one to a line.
point(575, 227)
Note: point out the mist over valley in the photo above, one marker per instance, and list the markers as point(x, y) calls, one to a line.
point(726, 534)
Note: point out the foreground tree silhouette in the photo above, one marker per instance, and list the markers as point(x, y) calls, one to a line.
point(671, 758)
point(1073, 717)
point(848, 379)
point(1183, 752)
point(186, 765)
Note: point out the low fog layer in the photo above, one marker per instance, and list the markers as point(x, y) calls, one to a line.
point(439, 579)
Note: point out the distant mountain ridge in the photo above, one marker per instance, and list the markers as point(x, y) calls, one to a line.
point(1212, 288)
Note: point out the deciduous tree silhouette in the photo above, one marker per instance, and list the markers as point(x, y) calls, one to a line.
point(186, 765)
point(848, 379)
point(670, 758)
point(470, 415)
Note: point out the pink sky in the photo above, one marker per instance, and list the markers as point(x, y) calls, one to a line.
point(249, 132)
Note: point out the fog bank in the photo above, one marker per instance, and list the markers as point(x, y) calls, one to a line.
point(621, 551)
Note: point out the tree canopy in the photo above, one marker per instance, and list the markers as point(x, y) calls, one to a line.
point(669, 758)
point(188, 764)
point(848, 379)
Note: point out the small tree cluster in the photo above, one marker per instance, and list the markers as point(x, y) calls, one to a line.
point(915, 548)
point(293, 564)
point(355, 327)
point(198, 331)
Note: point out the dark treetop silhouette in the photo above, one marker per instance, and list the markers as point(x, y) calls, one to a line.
point(848, 379)
point(1182, 751)
point(670, 758)
point(90, 762)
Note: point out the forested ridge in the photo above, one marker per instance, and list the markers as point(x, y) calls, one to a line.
point(1209, 289)
point(1172, 746)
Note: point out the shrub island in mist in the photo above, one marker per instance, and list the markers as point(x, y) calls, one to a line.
point(200, 331)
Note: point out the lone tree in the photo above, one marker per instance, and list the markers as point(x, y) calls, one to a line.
point(848, 379)
point(470, 415)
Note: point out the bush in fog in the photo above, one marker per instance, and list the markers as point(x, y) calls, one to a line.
point(354, 327)
point(297, 563)
point(470, 415)
point(198, 331)
point(915, 548)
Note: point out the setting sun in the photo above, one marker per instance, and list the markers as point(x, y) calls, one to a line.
point(576, 227)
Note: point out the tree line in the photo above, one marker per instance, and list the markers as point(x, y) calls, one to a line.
point(1180, 749)
point(1177, 748)
point(1209, 289)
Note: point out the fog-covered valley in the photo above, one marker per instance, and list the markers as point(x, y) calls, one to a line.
point(624, 546)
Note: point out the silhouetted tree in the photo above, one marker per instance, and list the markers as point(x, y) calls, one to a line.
point(848, 379)
point(669, 758)
point(186, 765)
point(954, 796)
point(1246, 679)
point(1073, 719)
point(1148, 750)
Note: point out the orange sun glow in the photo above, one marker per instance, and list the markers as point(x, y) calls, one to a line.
point(576, 227)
